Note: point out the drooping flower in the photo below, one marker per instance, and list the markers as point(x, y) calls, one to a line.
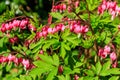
point(113, 56)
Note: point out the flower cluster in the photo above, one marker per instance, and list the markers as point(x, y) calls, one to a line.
point(62, 7)
point(111, 7)
point(74, 26)
point(59, 7)
point(103, 52)
point(12, 58)
point(22, 24)
point(77, 28)
point(13, 39)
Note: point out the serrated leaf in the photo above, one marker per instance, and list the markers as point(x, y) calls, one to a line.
point(56, 15)
point(52, 74)
point(67, 77)
point(103, 36)
point(88, 78)
point(15, 79)
point(22, 77)
point(67, 70)
point(44, 66)
point(98, 67)
point(78, 64)
point(65, 46)
point(56, 59)
point(47, 59)
point(36, 71)
point(28, 78)
point(81, 78)
point(1, 42)
point(33, 45)
point(61, 77)
point(114, 71)
point(106, 65)
point(62, 51)
point(114, 78)
point(104, 73)
point(89, 73)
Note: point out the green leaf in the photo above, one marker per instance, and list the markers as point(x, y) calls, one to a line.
point(56, 59)
point(65, 34)
point(114, 71)
point(65, 46)
point(114, 78)
point(56, 15)
point(28, 77)
point(107, 40)
point(22, 77)
point(67, 77)
point(69, 15)
point(44, 67)
point(52, 74)
point(67, 70)
point(76, 70)
point(62, 51)
point(103, 36)
point(89, 72)
point(104, 73)
point(81, 78)
point(78, 64)
point(98, 67)
point(15, 79)
point(1, 42)
point(8, 67)
point(48, 43)
point(88, 78)
point(47, 59)
point(61, 77)
point(106, 65)
point(96, 78)
point(33, 45)
point(36, 71)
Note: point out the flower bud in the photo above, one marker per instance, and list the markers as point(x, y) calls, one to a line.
point(60, 69)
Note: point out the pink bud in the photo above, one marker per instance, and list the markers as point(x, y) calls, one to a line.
point(76, 77)
point(11, 57)
point(27, 43)
point(114, 65)
point(84, 29)
point(113, 56)
point(77, 29)
point(3, 29)
point(44, 33)
point(13, 40)
point(23, 24)
point(50, 30)
point(3, 59)
point(77, 3)
point(31, 27)
point(60, 69)
point(102, 54)
point(10, 26)
point(38, 35)
point(16, 23)
point(100, 10)
point(26, 63)
point(103, 7)
point(64, 6)
point(41, 52)
point(7, 26)
point(20, 60)
point(107, 49)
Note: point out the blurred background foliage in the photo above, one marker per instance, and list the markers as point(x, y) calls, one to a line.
point(36, 9)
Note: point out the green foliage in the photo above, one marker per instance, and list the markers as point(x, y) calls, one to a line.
point(66, 52)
